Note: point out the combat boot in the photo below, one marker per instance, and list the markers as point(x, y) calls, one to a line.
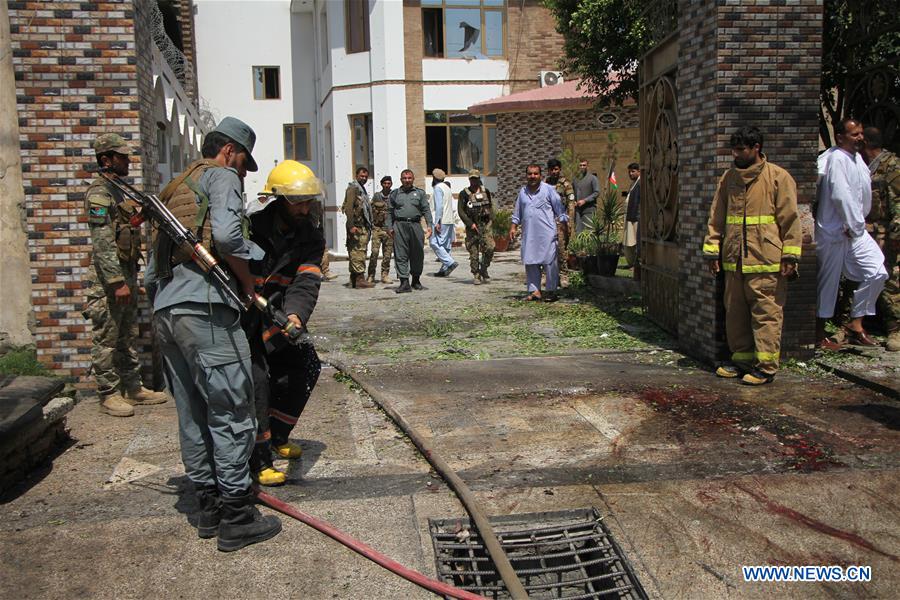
point(416, 284)
point(329, 276)
point(361, 282)
point(485, 278)
point(143, 396)
point(116, 406)
point(476, 278)
point(241, 524)
point(371, 278)
point(893, 341)
point(404, 286)
point(386, 278)
point(210, 511)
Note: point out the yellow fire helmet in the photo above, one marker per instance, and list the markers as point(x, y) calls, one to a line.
point(294, 180)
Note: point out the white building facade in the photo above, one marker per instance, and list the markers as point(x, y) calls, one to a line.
point(337, 84)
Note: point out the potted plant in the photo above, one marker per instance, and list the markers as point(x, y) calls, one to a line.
point(607, 228)
point(585, 246)
point(598, 244)
point(501, 223)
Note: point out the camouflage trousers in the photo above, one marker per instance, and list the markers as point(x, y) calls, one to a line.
point(562, 238)
point(889, 300)
point(114, 330)
point(381, 242)
point(888, 306)
point(356, 250)
point(481, 249)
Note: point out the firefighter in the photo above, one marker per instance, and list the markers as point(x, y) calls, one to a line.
point(754, 236)
point(284, 374)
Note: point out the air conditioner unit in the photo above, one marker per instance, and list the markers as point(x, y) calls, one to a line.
point(549, 78)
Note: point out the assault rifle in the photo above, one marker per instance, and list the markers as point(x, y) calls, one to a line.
point(165, 221)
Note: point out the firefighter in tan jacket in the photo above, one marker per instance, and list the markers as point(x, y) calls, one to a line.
point(754, 236)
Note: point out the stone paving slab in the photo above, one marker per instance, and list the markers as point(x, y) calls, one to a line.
point(110, 517)
point(697, 479)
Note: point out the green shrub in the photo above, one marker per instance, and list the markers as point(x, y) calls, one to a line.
point(501, 222)
point(22, 361)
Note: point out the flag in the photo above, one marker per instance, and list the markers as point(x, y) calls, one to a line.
point(612, 178)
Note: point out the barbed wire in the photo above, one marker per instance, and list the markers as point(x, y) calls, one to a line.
point(180, 64)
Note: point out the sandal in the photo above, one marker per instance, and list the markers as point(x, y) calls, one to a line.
point(533, 298)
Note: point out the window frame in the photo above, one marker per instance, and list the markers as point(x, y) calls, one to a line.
point(293, 127)
point(482, 8)
point(366, 39)
point(369, 128)
point(277, 80)
point(486, 123)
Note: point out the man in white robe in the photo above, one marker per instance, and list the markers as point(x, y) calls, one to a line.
point(843, 245)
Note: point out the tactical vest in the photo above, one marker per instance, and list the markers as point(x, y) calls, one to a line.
point(478, 205)
point(379, 210)
point(190, 205)
point(128, 238)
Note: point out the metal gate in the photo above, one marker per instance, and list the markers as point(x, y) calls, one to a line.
point(658, 102)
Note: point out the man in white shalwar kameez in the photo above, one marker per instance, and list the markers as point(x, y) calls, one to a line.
point(538, 208)
point(843, 245)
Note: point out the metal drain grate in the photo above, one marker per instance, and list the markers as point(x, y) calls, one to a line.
point(568, 554)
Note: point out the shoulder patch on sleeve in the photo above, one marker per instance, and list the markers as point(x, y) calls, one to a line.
point(99, 198)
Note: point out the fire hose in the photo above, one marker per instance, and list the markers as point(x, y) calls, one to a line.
point(361, 548)
point(491, 543)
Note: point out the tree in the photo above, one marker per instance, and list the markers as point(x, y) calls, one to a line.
point(857, 37)
point(603, 40)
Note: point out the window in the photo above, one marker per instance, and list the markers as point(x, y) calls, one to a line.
point(296, 141)
point(458, 142)
point(356, 14)
point(361, 132)
point(324, 50)
point(265, 83)
point(464, 28)
point(329, 155)
point(161, 144)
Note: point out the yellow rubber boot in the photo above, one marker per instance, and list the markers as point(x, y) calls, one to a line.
point(288, 450)
point(271, 477)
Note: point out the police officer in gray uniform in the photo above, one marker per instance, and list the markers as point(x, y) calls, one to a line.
point(205, 352)
point(408, 204)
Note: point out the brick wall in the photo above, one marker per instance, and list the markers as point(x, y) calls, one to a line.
point(78, 74)
point(189, 42)
point(533, 43)
point(752, 62)
point(535, 137)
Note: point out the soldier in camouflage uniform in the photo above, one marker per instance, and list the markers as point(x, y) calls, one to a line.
point(381, 239)
point(476, 210)
point(112, 295)
point(563, 230)
point(883, 223)
point(359, 227)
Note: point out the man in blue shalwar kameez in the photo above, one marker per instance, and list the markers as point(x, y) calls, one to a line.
point(538, 208)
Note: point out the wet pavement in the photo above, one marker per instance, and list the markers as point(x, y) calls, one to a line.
point(538, 407)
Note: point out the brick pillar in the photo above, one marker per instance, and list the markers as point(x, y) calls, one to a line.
point(78, 74)
point(413, 51)
point(754, 62)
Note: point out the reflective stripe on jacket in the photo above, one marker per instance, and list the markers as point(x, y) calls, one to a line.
point(753, 220)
